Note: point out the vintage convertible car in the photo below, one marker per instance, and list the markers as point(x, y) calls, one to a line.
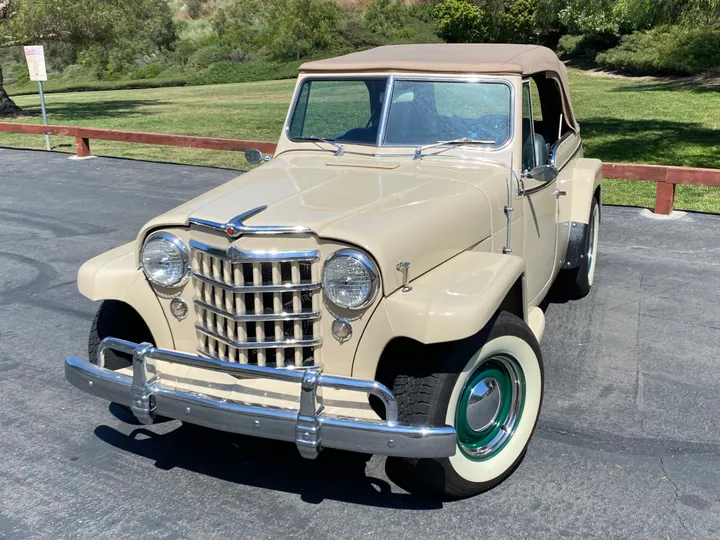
point(375, 286)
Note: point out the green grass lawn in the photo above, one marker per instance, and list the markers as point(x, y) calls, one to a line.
point(622, 120)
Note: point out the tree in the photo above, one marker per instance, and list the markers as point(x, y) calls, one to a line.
point(7, 105)
point(296, 28)
point(130, 25)
point(460, 21)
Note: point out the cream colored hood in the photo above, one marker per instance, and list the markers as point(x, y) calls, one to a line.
point(397, 211)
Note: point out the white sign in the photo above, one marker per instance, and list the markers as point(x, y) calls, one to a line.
point(35, 56)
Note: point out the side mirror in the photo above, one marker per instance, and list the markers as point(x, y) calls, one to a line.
point(544, 173)
point(254, 156)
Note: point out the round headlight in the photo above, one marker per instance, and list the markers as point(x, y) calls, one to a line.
point(350, 279)
point(164, 259)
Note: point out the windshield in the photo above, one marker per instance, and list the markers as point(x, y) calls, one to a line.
point(420, 111)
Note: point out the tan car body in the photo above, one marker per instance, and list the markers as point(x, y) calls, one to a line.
point(445, 215)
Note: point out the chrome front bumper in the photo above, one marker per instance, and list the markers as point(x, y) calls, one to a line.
point(309, 427)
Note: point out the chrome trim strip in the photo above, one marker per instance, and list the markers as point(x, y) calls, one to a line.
point(260, 317)
point(384, 112)
point(238, 256)
point(367, 436)
point(236, 226)
point(552, 160)
point(286, 344)
point(526, 83)
point(247, 289)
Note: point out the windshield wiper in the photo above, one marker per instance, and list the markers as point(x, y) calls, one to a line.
point(340, 148)
point(464, 140)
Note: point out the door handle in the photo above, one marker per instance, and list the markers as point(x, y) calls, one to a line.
point(559, 193)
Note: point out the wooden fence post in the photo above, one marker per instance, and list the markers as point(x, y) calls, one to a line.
point(82, 147)
point(664, 198)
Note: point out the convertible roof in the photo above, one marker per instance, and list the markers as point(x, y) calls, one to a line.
point(475, 58)
point(446, 58)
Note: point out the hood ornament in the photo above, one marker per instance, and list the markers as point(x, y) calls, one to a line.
point(236, 226)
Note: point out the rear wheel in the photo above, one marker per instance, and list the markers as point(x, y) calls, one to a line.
point(489, 387)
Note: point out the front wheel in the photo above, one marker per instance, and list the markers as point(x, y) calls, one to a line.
point(489, 387)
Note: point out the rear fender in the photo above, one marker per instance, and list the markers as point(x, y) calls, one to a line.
point(581, 185)
point(114, 275)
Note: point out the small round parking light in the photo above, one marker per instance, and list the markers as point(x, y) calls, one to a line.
point(179, 308)
point(341, 329)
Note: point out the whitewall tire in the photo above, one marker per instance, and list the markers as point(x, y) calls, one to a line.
point(490, 388)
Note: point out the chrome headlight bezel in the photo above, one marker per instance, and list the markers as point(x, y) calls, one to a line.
point(370, 268)
point(182, 251)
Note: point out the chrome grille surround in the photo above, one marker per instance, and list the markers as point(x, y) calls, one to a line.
point(257, 307)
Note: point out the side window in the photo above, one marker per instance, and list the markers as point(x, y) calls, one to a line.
point(536, 103)
point(547, 102)
point(528, 133)
point(537, 136)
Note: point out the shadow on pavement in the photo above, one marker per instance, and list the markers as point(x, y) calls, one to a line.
point(334, 475)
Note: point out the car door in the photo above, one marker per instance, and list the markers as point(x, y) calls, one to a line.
point(540, 206)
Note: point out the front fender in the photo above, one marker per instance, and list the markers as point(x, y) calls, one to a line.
point(114, 275)
point(456, 299)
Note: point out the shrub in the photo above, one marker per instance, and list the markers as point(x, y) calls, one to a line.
point(202, 58)
point(388, 18)
point(94, 60)
point(231, 72)
point(151, 71)
point(240, 21)
point(295, 28)
point(671, 50)
point(76, 72)
point(517, 21)
point(460, 21)
point(585, 47)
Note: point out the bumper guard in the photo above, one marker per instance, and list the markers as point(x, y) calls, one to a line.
point(309, 427)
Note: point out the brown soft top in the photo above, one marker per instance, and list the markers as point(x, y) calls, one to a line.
point(446, 58)
point(475, 58)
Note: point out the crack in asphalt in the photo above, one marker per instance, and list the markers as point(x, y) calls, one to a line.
point(677, 495)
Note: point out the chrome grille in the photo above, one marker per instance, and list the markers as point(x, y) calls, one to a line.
point(255, 307)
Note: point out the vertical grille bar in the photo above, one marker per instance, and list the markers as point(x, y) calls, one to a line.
point(240, 309)
point(297, 308)
point(315, 277)
point(278, 309)
point(259, 308)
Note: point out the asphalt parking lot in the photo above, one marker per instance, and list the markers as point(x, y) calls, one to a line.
point(628, 443)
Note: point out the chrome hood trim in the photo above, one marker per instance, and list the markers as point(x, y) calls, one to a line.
point(236, 227)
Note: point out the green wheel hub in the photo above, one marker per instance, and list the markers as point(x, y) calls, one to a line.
point(490, 406)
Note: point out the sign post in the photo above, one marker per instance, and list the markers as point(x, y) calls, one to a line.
point(35, 56)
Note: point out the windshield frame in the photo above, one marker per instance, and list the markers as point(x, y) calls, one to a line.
point(387, 100)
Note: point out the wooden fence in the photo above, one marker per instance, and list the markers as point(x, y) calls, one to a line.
point(665, 177)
